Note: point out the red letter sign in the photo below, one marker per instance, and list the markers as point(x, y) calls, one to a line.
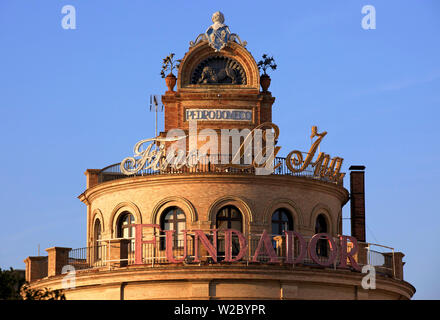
point(211, 247)
point(290, 246)
point(312, 249)
point(349, 255)
point(228, 245)
point(169, 246)
point(138, 241)
point(268, 248)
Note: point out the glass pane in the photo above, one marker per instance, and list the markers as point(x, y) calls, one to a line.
point(222, 224)
point(236, 225)
point(321, 224)
point(168, 226)
point(235, 245)
point(275, 228)
point(98, 230)
point(222, 213)
point(235, 214)
point(169, 215)
point(221, 246)
point(180, 226)
point(127, 219)
point(180, 214)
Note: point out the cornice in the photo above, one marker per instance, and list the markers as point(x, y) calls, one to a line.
point(157, 180)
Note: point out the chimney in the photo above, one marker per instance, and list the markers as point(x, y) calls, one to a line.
point(357, 202)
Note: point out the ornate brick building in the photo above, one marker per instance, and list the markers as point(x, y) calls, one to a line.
point(218, 84)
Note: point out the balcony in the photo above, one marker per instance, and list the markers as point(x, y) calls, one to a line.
point(114, 254)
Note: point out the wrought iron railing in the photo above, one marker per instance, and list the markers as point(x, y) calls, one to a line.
point(206, 165)
point(381, 258)
point(154, 254)
point(101, 257)
point(89, 257)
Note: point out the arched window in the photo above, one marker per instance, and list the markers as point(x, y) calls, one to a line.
point(173, 218)
point(229, 217)
point(321, 227)
point(97, 237)
point(126, 228)
point(281, 221)
point(126, 225)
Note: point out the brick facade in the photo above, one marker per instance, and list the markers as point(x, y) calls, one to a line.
point(201, 196)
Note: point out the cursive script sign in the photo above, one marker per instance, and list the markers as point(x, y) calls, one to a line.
point(258, 150)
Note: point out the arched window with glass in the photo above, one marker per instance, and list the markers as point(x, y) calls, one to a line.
point(97, 237)
point(321, 227)
point(126, 228)
point(281, 221)
point(228, 217)
point(173, 218)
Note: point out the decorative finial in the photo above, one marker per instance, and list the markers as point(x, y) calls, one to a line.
point(218, 34)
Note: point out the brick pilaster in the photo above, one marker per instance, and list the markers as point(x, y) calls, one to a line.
point(92, 177)
point(36, 268)
point(58, 257)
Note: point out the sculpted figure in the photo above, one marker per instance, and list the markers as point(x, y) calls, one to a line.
point(210, 75)
point(218, 34)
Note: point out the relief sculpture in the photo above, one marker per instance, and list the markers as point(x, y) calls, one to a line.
point(219, 70)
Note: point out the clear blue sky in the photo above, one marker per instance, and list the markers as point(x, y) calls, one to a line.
point(77, 99)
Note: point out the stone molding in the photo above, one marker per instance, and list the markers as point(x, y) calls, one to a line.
point(298, 219)
point(180, 202)
point(322, 208)
point(121, 207)
point(97, 214)
point(202, 51)
point(239, 202)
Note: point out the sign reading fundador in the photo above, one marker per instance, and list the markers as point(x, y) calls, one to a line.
point(218, 114)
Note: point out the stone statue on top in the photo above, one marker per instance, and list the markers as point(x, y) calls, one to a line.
point(218, 34)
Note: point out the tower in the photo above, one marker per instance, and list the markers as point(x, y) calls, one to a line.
point(216, 230)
